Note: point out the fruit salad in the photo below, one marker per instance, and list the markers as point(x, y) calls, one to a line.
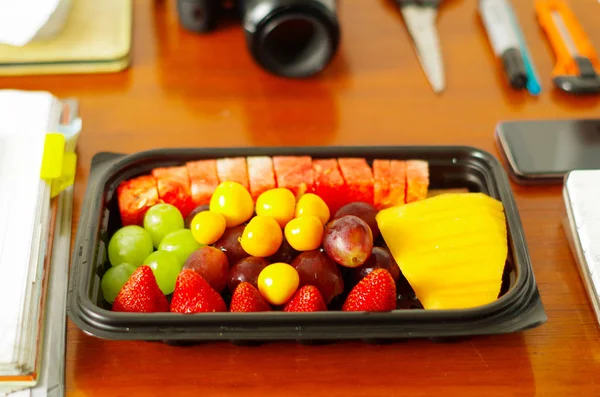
point(296, 234)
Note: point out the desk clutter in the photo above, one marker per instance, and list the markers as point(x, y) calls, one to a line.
point(38, 135)
point(303, 40)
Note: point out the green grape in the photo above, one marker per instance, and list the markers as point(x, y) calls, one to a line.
point(130, 244)
point(181, 242)
point(162, 219)
point(114, 279)
point(166, 268)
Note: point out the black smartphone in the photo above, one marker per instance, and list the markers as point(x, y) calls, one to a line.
point(544, 151)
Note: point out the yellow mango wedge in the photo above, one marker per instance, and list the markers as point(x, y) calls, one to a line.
point(451, 248)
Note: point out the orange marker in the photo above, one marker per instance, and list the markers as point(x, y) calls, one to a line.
point(577, 68)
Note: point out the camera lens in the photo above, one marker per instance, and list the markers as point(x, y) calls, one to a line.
point(295, 41)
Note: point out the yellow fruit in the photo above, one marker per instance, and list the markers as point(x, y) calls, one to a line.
point(278, 203)
point(233, 201)
point(304, 233)
point(311, 204)
point(278, 282)
point(451, 248)
point(207, 227)
point(262, 236)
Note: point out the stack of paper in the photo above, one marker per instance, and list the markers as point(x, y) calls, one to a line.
point(28, 224)
point(582, 226)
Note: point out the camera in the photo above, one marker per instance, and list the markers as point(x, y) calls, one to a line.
point(289, 38)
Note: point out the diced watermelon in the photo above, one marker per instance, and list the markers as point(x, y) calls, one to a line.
point(329, 183)
point(233, 169)
point(261, 176)
point(359, 179)
point(294, 173)
point(382, 175)
point(174, 188)
point(417, 180)
point(204, 180)
point(397, 194)
point(135, 197)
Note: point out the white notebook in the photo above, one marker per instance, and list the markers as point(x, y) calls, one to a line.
point(25, 119)
point(581, 194)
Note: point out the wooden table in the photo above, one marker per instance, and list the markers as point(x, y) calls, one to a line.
point(188, 90)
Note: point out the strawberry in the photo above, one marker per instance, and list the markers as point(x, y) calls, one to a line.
point(141, 294)
point(246, 298)
point(376, 292)
point(306, 299)
point(194, 295)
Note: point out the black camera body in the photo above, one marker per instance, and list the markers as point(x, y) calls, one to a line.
point(290, 38)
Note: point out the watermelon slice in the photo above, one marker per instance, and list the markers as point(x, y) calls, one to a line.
point(174, 188)
point(359, 179)
point(294, 173)
point(382, 175)
point(329, 183)
point(135, 197)
point(397, 194)
point(261, 176)
point(417, 180)
point(204, 180)
point(233, 169)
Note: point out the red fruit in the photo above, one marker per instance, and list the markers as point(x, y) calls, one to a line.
point(417, 180)
point(294, 173)
point(246, 298)
point(329, 183)
point(390, 183)
point(382, 174)
point(203, 180)
point(306, 299)
point(194, 295)
point(261, 176)
point(374, 293)
point(140, 294)
point(233, 169)
point(135, 197)
point(397, 194)
point(174, 188)
point(359, 179)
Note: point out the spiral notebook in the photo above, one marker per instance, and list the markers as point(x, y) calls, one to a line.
point(35, 169)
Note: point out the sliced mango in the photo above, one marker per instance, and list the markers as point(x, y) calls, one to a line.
point(451, 248)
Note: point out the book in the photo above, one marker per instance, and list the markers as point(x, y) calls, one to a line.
point(96, 38)
point(34, 171)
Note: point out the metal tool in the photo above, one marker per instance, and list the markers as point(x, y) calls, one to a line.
point(420, 17)
point(499, 26)
point(577, 69)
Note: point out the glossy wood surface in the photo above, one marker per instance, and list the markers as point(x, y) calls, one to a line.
point(189, 90)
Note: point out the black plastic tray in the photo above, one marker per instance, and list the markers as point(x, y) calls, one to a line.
point(518, 308)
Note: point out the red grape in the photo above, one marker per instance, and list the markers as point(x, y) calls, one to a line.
point(212, 264)
point(229, 243)
point(317, 269)
point(364, 211)
point(348, 241)
point(246, 270)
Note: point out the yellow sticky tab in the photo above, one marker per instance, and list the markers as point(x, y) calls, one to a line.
point(52, 160)
point(67, 178)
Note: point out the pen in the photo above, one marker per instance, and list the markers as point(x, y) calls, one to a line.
point(500, 30)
